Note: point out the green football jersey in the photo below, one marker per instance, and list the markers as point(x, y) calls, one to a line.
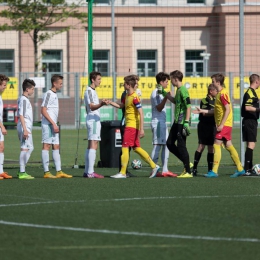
point(182, 102)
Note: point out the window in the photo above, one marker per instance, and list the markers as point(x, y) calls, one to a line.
point(146, 63)
point(101, 61)
point(154, 2)
point(7, 62)
point(196, 1)
point(101, 2)
point(193, 63)
point(51, 64)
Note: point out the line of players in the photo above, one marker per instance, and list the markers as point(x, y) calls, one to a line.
point(214, 128)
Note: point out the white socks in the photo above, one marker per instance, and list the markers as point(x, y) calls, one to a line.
point(91, 160)
point(165, 158)
point(56, 159)
point(155, 153)
point(2, 157)
point(86, 161)
point(45, 160)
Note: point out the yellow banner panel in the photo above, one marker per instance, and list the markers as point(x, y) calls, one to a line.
point(105, 90)
point(11, 92)
point(236, 89)
point(198, 87)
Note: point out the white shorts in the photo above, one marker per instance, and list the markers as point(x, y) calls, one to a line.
point(48, 135)
point(2, 137)
point(94, 129)
point(25, 143)
point(160, 132)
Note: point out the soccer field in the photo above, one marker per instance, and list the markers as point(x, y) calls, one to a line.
point(135, 218)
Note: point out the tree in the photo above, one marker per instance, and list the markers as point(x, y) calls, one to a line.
point(34, 17)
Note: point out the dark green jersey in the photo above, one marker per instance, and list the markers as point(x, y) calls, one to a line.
point(182, 102)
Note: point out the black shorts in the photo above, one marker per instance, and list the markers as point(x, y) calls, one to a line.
point(249, 130)
point(206, 133)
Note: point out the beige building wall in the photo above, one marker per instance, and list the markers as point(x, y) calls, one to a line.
point(10, 41)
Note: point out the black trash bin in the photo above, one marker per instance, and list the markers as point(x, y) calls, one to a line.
point(110, 145)
point(10, 116)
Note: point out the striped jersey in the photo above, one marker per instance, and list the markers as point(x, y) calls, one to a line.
point(25, 109)
point(91, 97)
point(223, 99)
point(132, 116)
point(51, 102)
point(156, 99)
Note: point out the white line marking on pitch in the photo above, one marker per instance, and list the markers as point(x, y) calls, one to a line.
point(128, 233)
point(127, 199)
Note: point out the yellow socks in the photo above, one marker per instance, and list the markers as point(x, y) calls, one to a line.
point(145, 156)
point(235, 157)
point(217, 157)
point(124, 159)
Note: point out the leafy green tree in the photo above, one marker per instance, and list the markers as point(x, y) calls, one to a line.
point(34, 17)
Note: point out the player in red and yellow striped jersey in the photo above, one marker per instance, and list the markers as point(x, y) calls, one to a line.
point(134, 129)
point(224, 121)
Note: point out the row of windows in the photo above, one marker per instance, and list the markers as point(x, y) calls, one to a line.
point(146, 62)
point(150, 2)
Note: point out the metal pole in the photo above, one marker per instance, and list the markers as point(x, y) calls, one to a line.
point(113, 53)
point(241, 71)
point(90, 36)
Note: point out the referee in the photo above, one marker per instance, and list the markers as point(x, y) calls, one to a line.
point(206, 130)
point(250, 113)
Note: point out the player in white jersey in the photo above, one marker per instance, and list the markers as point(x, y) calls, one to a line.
point(3, 81)
point(24, 127)
point(159, 126)
point(93, 124)
point(50, 129)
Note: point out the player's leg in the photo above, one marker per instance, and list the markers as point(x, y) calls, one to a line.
point(3, 174)
point(25, 153)
point(156, 135)
point(94, 130)
point(172, 138)
point(210, 157)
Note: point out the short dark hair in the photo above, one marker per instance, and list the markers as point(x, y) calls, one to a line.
point(135, 76)
point(161, 76)
point(253, 78)
point(211, 87)
point(130, 80)
point(28, 83)
point(177, 75)
point(93, 75)
point(3, 78)
point(55, 77)
point(219, 78)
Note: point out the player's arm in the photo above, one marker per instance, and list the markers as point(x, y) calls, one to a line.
point(161, 106)
point(47, 116)
point(117, 105)
point(94, 107)
point(25, 131)
point(4, 132)
point(141, 130)
point(202, 111)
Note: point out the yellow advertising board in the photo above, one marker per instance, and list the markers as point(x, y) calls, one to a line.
point(11, 92)
point(197, 87)
point(236, 89)
point(105, 90)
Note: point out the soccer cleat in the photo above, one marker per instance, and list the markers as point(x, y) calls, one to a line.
point(186, 175)
point(48, 175)
point(237, 173)
point(61, 174)
point(248, 173)
point(184, 170)
point(194, 172)
point(211, 174)
point(93, 175)
point(24, 176)
point(154, 172)
point(159, 175)
point(1, 178)
point(118, 176)
point(169, 174)
point(129, 175)
point(5, 175)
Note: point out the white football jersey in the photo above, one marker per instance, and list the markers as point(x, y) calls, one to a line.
point(1, 109)
point(91, 97)
point(25, 109)
point(51, 102)
point(156, 99)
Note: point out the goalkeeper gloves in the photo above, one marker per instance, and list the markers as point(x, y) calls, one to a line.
point(162, 91)
point(186, 127)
